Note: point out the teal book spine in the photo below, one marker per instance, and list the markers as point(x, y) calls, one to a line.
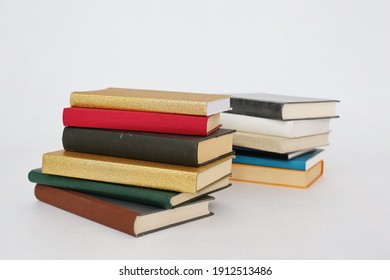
point(124, 192)
point(298, 163)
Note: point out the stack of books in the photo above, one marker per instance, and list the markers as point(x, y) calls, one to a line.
point(278, 138)
point(138, 160)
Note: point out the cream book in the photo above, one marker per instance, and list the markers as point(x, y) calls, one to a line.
point(277, 176)
point(135, 172)
point(277, 144)
point(185, 103)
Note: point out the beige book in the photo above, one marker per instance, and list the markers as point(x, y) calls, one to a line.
point(152, 101)
point(278, 144)
point(277, 176)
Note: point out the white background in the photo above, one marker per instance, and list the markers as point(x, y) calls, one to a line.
point(330, 49)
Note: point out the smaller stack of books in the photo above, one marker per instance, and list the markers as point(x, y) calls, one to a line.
point(138, 160)
point(278, 137)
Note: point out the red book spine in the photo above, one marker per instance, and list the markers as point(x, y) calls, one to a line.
point(136, 120)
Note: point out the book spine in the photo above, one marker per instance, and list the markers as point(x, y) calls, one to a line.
point(134, 120)
point(124, 192)
point(133, 145)
point(88, 207)
point(119, 171)
point(256, 108)
point(185, 107)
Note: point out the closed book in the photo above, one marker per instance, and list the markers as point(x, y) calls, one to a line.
point(131, 218)
point(289, 129)
point(135, 172)
point(185, 150)
point(302, 162)
point(158, 198)
point(283, 107)
point(185, 103)
point(141, 121)
point(277, 176)
point(278, 144)
point(265, 154)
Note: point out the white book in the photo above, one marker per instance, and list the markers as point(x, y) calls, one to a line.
point(289, 129)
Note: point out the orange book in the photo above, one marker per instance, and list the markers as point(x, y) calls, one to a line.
point(277, 176)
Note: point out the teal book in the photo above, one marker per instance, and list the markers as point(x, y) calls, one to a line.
point(154, 197)
point(303, 162)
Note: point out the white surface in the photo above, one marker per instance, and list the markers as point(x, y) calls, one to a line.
point(329, 49)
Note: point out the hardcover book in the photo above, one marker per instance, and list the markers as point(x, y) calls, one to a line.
point(128, 217)
point(278, 144)
point(289, 129)
point(283, 107)
point(152, 101)
point(265, 154)
point(277, 176)
point(141, 121)
point(135, 172)
point(158, 198)
point(302, 162)
point(185, 150)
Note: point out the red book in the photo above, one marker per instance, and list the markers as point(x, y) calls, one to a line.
point(141, 121)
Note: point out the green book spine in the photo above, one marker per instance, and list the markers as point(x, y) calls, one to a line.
point(125, 192)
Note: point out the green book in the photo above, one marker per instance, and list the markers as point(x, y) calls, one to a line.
point(159, 198)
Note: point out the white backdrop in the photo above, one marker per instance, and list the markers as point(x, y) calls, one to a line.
point(330, 49)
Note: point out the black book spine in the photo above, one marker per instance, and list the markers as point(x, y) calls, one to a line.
point(129, 144)
point(256, 108)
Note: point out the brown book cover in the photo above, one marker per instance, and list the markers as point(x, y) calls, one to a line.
point(128, 217)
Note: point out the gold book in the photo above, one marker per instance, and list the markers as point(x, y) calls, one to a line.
point(135, 172)
point(152, 101)
point(277, 176)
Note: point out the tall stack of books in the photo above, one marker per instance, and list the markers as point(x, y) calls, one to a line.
point(278, 138)
point(138, 160)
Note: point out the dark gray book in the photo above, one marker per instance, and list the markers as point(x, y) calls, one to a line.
point(158, 147)
point(282, 107)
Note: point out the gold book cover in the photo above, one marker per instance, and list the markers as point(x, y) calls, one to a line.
point(135, 172)
point(152, 101)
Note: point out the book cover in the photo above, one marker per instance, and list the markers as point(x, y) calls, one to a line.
point(135, 172)
point(158, 198)
point(265, 154)
point(283, 107)
point(278, 144)
point(302, 162)
point(128, 217)
point(141, 121)
point(277, 176)
point(289, 129)
point(185, 150)
point(185, 103)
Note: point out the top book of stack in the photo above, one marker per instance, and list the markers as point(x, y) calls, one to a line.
point(281, 107)
point(152, 101)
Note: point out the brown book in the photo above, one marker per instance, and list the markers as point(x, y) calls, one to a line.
point(277, 176)
point(131, 218)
